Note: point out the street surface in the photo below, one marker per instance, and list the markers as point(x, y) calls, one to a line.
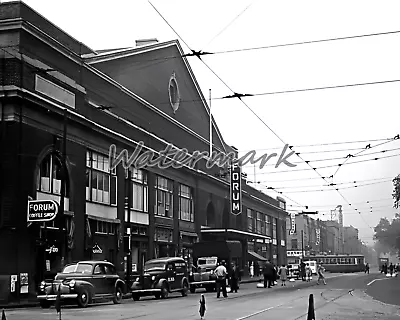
point(342, 298)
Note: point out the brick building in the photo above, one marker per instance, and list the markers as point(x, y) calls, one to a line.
point(56, 89)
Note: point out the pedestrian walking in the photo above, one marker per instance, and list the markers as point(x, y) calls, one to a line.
point(251, 270)
point(283, 275)
point(221, 274)
point(308, 272)
point(275, 276)
point(234, 278)
point(320, 271)
point(367, 268)
point(303, 270)
point(391, 268)
point(268, 273)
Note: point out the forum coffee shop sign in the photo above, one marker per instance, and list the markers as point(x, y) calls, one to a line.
point(42, 210)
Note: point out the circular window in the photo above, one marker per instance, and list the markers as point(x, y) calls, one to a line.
point(173, 90)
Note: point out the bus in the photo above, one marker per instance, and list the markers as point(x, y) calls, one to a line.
point(344, 263)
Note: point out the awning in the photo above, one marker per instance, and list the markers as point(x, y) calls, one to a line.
point(236, 232)
point(256, 256)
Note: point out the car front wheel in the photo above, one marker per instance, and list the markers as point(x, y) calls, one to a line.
point(118, 295)
point(185, 289)
point(83, 298)
point(164, 291)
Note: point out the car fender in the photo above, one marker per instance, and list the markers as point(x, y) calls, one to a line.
point(161, 282)
point(82, 284)
point(121, 283)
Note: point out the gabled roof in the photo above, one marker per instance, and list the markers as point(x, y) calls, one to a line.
point(113, 54)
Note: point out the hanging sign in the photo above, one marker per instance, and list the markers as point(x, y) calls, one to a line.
point(292, 223)
point(96, 249)
point(236, 189)
point(42, 210)
point(318, 234)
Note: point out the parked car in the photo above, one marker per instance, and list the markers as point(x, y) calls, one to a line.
point(202, 275)
point(160, 277)
point(83, 282)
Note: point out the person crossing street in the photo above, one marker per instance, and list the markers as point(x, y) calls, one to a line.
point(221, 274)
point(320, 271)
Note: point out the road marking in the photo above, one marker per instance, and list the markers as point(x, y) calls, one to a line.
point(261, 311)
point(368, 284)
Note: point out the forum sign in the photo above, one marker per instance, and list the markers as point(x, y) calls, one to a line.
point(236, 189)
point(42, 210)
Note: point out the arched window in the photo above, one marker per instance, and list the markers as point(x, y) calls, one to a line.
point(49, 176)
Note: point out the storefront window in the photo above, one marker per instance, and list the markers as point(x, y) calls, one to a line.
point(259, 223)
point(164, 197)
point(267, 221)
point(138, 187)
point(105, 227)
point(49, 176)
point(274, 230)
point(249, 220)
point(185, 203)
point(101, 182)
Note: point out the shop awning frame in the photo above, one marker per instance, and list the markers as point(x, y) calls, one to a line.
point(234, 231)
point(257, 256)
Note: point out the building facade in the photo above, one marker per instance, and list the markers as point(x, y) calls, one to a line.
point(334, 243)
point(62, 106)
point(310, 236)
point(352, 244)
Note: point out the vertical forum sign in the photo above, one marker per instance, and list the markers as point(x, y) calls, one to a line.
point(236, 189)
point(292, 223)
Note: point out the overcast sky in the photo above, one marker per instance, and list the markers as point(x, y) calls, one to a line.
point(362, 113)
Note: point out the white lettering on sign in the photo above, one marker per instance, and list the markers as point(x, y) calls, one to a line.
point(318, 233)
point(52, 249)
point(172, 279)
point(42, 210)
point(96, 249)
point(236, 189)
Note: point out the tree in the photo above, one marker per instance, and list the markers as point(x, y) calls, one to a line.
point(388, 234)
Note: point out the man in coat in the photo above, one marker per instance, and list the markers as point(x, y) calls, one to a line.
point(268, 273)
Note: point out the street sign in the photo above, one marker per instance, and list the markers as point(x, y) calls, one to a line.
point(96, 249)
point(52, 249)
point(236, 189)
point(42, 210)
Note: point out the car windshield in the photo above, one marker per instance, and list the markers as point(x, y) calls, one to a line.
point(206, 262)
point(78, 268)
point(154, 266)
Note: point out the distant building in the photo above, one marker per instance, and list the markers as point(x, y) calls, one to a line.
point(333, 235)
point(310, 236)
point(352, 244)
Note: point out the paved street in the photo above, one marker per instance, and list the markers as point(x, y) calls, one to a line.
point(341, 298)
point(385, 289)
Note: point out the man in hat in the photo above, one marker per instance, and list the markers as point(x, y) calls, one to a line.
point(221, 275)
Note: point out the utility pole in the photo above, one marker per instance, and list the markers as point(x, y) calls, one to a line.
point(211, 144)
point(128, 229)
point(63, 185)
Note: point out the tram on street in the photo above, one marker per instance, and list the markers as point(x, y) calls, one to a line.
point(345, 263)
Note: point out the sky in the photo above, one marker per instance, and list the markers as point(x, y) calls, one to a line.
point(323, 119)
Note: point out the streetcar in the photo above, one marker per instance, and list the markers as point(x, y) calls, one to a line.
point(345, 263)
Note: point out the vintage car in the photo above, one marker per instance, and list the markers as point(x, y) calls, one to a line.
point(202, 275)
point(83, 283)
point(160, 277)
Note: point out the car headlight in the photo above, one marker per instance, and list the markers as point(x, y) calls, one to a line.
point(71, 283)
point(137, 279)
point(212, 272)
point(191, 274)
point(42, 285)
point(153, 278)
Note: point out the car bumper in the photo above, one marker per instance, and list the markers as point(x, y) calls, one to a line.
point(53, 297)
point(202, 283)
point(145, 291)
